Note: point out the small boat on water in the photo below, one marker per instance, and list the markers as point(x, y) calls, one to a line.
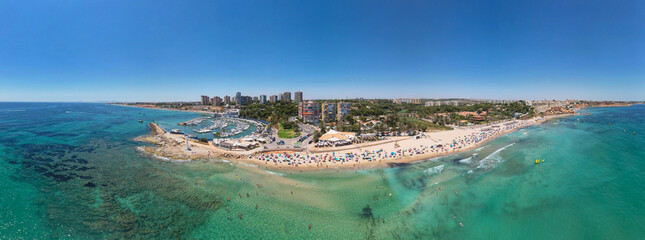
point(140, 121)
point(203, 130)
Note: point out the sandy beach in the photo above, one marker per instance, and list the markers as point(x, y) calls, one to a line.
point(384, 153)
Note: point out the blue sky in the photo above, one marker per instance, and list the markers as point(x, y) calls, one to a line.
point(179, 50)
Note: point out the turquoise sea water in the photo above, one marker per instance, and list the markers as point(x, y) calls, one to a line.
point(77, 175)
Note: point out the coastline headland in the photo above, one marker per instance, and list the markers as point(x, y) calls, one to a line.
point(384, 153)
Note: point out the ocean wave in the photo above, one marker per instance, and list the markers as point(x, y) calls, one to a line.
point(224, 161)
point(248, 164)
point(274, 173)
point(466, 160)
point(491, 160)
point(14, 110)
point(434, 170)
point(479, 149)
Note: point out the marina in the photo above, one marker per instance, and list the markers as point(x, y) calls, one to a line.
point(218, 127)
point(193, 122)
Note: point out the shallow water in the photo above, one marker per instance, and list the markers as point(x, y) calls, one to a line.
point(77, 175)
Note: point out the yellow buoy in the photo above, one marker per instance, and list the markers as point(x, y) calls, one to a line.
point(537, 161)
point(542, 160)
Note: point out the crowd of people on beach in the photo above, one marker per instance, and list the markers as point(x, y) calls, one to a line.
point(358, 155)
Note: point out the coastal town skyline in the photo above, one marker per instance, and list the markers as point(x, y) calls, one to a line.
point(94, 51)
point(335, 119)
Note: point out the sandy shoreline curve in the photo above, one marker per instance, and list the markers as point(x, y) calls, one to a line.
point(393, 151)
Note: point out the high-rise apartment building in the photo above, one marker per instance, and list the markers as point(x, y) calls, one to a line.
point(328, 112)
point(308, 111)
point(343, 109)
point(298, 97)
point(205, 100)
point(238, 98)
point(245, 100)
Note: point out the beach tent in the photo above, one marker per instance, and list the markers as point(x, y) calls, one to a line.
point(332, 134)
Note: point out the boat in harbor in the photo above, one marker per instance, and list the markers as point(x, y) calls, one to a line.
point(203, 130)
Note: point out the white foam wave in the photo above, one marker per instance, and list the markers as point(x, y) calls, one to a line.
point(14, 110)
point(247, 164)
point(434, 170)
point(479, 149)
point(466, 160)
point(274, 173)
point(491, 160)
point(225, 161)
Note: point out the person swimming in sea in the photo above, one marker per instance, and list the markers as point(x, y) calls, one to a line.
point(309, 226)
